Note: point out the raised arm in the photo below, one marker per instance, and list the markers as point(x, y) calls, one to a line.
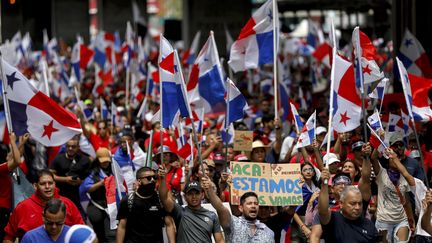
point(317, 153)
point(223, 213)
point(374, 161)
point(278, 131)
point(167, 201)
point(426, 220)
point(323, 200)
point(400, 167)
point(16, 156)
point(364, 183)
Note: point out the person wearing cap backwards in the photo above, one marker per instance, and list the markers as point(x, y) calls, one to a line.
point(246, 228)
point(54, 228)
point(93, 188)
point(140, 215)
point(27, 215)
point(70, 169)
point(81, 234)
point(193, 222)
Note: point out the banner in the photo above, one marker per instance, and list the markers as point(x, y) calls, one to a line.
point(275, 185)
point(243, 140)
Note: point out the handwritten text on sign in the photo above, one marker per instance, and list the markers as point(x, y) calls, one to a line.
point(276, 185)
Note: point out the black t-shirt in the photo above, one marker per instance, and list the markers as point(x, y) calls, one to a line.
point(144, 221)
point(341, 230)
point(78, 166)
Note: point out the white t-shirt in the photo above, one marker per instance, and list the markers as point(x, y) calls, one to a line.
point(419, 193)
point(390, 208)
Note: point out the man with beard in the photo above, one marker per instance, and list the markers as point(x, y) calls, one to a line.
point(53, 229)
point(246, 228)
point(194, 223)
point(28, 214)
point(140, 215)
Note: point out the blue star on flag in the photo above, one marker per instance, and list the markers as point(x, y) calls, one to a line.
point(408, 42)
point(11, 79)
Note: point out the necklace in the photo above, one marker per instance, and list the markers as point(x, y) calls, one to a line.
point(142, 197)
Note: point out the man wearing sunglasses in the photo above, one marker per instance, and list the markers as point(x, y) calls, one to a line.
point(54, 228)
point(140, 215)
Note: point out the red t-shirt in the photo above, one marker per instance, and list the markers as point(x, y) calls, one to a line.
point(28, 215)
point(98, 142)
point(6, 187)
point(176, 181)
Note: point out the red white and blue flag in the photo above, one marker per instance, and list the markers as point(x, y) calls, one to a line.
point(173, 90)
point(116, 189)
point(34, 112)
point(237, 103)
point(307, 134)
point(416, 94)
point(254, 46)
point(374, 121)
point(190, 54)
point(206, 83)
point(369, 68)
point(346, 101)
point(297, 119)
point(414, 57)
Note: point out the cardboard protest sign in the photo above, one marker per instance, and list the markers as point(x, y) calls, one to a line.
point(277, 186)
point(243, 140)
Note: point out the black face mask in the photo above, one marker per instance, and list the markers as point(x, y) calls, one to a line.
point(147, 190)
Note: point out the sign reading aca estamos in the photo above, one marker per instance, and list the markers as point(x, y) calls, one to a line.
point(275, 185)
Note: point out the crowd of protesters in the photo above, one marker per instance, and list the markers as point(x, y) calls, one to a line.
point(354, 193)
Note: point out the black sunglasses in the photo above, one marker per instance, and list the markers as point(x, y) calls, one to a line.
point(149, 178)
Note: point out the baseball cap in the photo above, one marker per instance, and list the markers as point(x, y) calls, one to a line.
point(219, 158)
point(396, 137)
point(80, 233)
point(320, 130)
point(414, 154)
point(126, 131)
point(330, 158)
point(103, 155)
point(341, 178)
point(209, 162)
point(357, 144)
point(192, 185)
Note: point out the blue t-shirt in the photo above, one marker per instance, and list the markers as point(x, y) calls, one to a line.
point(39, 235)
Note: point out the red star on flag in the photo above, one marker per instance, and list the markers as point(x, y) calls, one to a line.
point(49, 129)
point(367, 70)
point(344, 118)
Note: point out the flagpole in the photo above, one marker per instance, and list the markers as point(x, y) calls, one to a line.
point(384, 90)
point(275, 40)
point(128, 76)
point(226, 118)
point(45, 75)
point(189, 109)
point(149, 151)
point(360, 76)
point(410, 113)
point(330, 121)
point(5, 99)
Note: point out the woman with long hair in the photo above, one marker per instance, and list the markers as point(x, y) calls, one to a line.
point(304, 213)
